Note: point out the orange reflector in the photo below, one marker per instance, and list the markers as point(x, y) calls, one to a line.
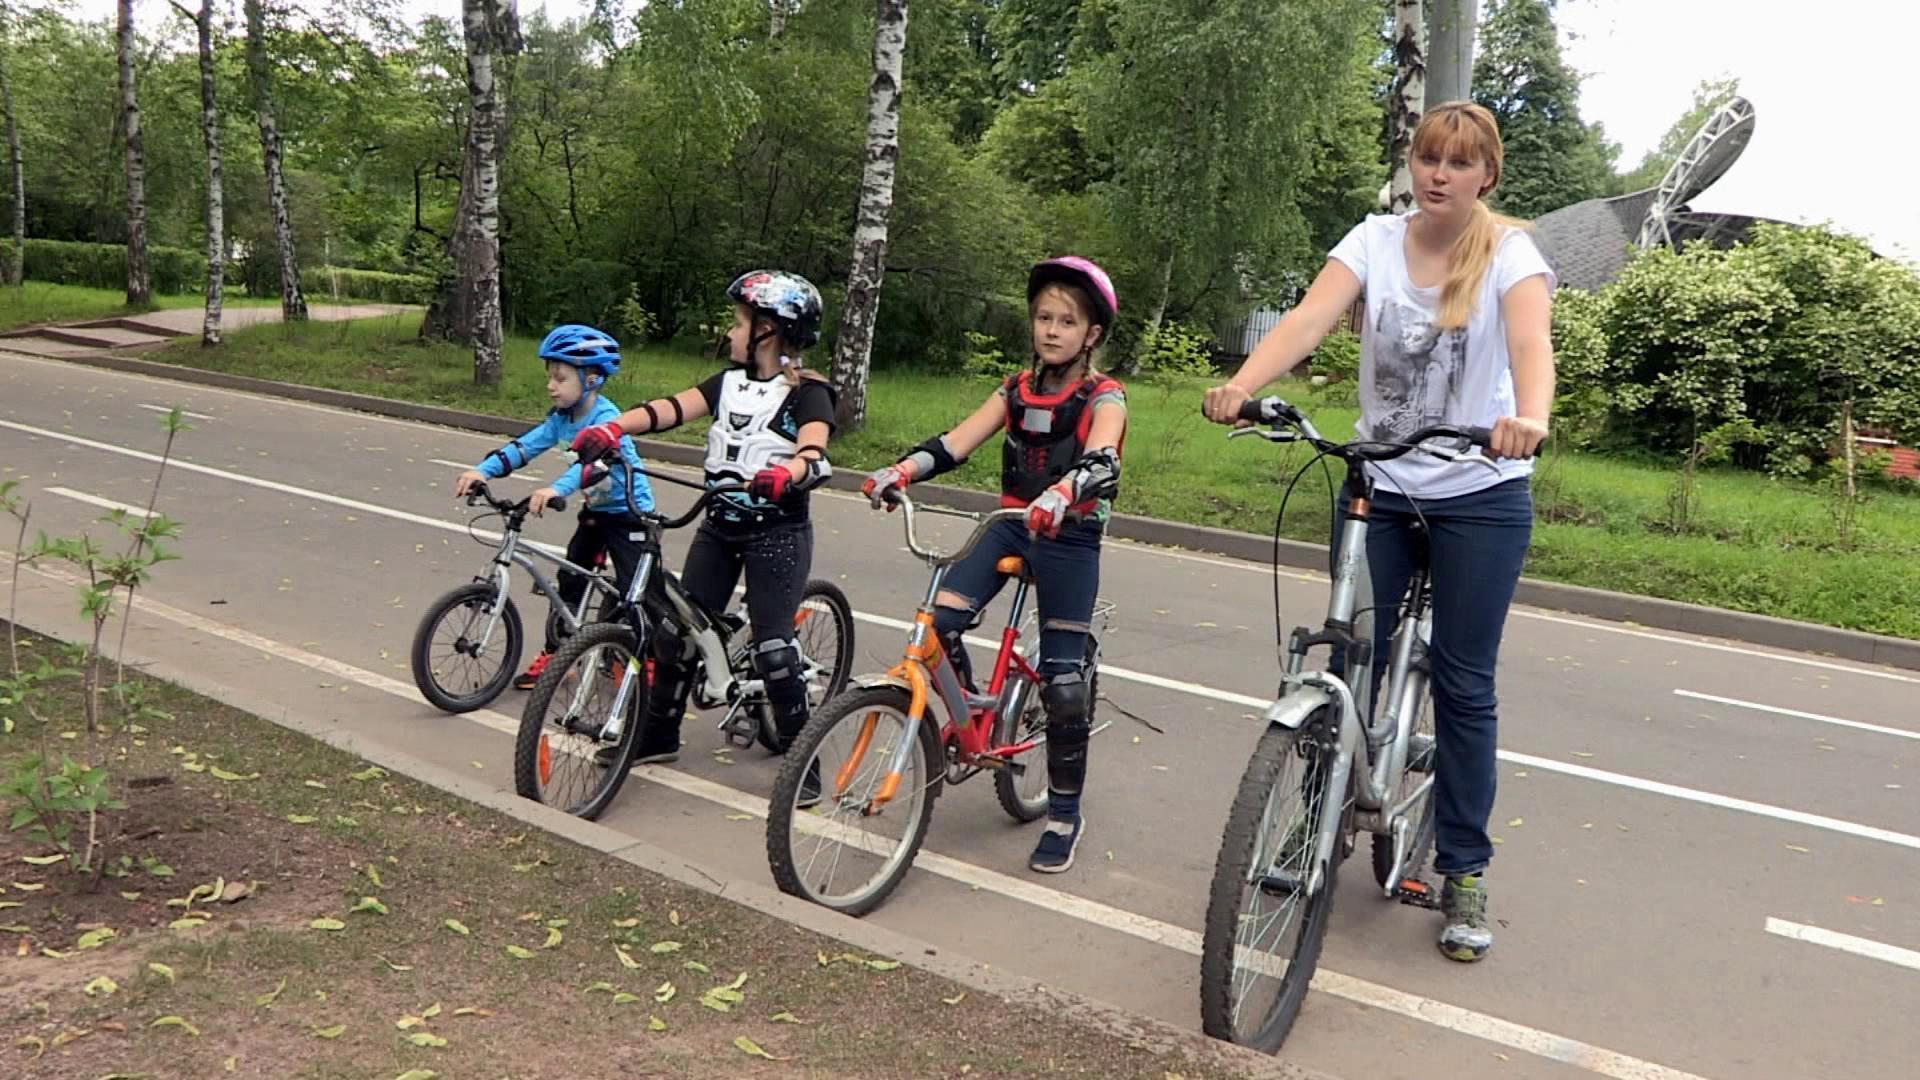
point(546, 760)
point(801, 617)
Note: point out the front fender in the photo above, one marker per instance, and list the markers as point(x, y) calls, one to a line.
point(1296, 705)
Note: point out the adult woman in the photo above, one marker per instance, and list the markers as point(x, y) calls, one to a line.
point(1457, 331)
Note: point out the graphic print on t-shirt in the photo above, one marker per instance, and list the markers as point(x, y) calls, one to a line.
point(1416, 367)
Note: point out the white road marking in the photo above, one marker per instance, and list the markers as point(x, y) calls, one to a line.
point(1427, 1010)
point(95, 500)
point(1656, 787)
point(1833, 939)
point(168, 409)
point(1260, 568)
point(1857, 725)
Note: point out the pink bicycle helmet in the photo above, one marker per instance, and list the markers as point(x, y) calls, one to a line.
point(1083, 274)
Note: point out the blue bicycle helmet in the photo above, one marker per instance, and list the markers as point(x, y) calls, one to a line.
point(592, 351)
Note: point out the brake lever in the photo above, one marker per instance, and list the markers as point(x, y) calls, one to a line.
point(1268, 434)
point(1461, 455)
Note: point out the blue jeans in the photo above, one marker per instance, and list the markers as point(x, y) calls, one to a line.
point(1477, 547)
point(1066, 579)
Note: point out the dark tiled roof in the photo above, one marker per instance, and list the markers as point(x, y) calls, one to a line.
point(1589, 243)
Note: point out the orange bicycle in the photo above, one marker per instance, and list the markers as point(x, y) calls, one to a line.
point(854, 798)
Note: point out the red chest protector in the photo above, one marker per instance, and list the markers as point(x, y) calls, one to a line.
point(1046, 434)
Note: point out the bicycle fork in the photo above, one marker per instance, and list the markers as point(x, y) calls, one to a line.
point(632, 671)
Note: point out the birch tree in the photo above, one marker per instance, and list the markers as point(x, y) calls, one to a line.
point(293, 302)
point(16, 269)
point(853, 350)
point(1407, 99)
point(139, 273)
point(216, 198)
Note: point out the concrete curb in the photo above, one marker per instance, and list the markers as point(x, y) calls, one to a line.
point(1645, 611)
point(1157, 1036)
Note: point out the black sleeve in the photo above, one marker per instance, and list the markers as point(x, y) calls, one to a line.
point(710, 392)
point(813, 400)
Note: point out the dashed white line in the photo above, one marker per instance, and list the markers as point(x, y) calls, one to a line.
point(1847, 943)
point(1856, 725)
point(168, 409)
point(95, 500)
point(1493, 1029)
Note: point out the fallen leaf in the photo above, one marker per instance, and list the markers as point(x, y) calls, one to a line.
point(739, 817)
point(5, 904)
point(187, 922)
point(626, 924)
point(42, 860)
point(785, 1018)
point(457, 927)
point(130, 896)
point(883, 965)
point(418, 1074)
point(391, 966)
point(955, 999)
point(433, 1010)
point(624, 998)
point(730, 996)
point(29, 886)
point(176, 1021)
point(598, 987)
point(519, 953)
point(162, 970)
point(222, 774)
point(654, 1023)
point(368, 903)
point(1798, 848)
point(1516, 823)
point(327, 924)
point(695, 965)
point(302, 819)
point(333, 1032)
point(93, 939)
point(39, 1044)
point(426, 1038)
point(100, 986)
point(748, 1046)
point(664, 993)
point(716, 1004)
point(408, 1023)
point(626, 958)
point(57, 954)
point(558, 924)
point(371, 772)
point(660, 947)
point(469, 1010)
point(554, 937)
point(70, 1035)
point(739, 982)
point(271, 996)
point(315, 784)
point(1581, 754)
point(193, 766)
point(673, 916)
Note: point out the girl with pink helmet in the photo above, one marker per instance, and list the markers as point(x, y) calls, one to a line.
point(1065, 424)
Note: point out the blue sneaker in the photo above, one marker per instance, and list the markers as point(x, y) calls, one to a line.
point(1054, 853)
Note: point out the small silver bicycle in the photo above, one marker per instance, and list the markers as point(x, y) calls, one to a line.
point(467, 646)
point(1323, 771)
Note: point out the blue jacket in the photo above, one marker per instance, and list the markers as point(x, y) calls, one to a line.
point(559, 430)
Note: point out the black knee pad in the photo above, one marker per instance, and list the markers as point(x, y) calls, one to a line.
point(1068, 699)
point(776, 661)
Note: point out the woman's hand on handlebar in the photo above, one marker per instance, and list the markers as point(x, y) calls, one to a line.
point(537, 502)
point(1222, 404)
point(1516, 437)
point(467, 481)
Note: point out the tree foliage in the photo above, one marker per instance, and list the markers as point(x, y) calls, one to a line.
point(1554, 159)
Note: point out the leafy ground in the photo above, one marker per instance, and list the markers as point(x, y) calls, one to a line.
point(37, 302)
point(272, 907)
point(1754, 544)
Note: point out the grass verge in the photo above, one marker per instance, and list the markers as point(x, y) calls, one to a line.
point(38, 302)
point(1752, 543)
point(271, 907)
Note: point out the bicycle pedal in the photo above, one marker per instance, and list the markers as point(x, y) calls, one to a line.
point(1416, 893)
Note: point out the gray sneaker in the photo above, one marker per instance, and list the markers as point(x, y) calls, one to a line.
point(1466, 937)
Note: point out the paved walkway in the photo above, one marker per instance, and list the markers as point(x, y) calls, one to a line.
point(152, 330)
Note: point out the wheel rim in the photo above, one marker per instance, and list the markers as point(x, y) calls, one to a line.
point(840, 855)
point(1030, 786)
point(818, 633)
point(1271, 915)
point(570, 774)
point(456, 668)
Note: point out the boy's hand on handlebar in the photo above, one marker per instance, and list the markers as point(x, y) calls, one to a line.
point(598, 441)
point(467, 482)
point(1222, 404)
point(1047, 513)
point(1517, 437)
point(537, 502)
point(884, 483)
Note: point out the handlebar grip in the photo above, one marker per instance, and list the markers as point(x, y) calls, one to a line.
point(1254, 410)
point(1479, 436)
point(558, 504)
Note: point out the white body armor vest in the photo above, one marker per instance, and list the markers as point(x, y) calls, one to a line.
point(744, 438)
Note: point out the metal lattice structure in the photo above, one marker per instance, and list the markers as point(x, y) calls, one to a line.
point(1708, 155)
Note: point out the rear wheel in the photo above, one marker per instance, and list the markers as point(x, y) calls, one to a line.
point(1419, 819)
point(561, 757)
point(823, 631)
point(850, 850)
point(1265, 922)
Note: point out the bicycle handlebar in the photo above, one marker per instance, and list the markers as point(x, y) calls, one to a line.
point(1277, 414)
point(594, 472)
point(982, 523)
point(481, 493)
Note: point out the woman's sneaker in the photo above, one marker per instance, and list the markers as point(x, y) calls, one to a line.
point(1466, 937)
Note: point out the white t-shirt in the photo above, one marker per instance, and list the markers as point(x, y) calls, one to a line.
point(1413, 375)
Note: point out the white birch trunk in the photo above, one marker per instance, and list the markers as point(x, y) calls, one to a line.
point(1407, 99)
point(139, 273)
point(853, 351)
point(293, 302)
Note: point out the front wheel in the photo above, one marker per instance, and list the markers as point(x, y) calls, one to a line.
point(451, 667)
point(561, 756)
point(842, 828)
point(1265, 923)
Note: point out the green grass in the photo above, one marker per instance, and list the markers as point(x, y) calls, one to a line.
point(1755, 544)
point(37, 302)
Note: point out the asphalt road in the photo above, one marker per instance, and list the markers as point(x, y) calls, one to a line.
point(1676, 816)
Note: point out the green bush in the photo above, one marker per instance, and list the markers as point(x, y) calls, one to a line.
point(322, 282)
point(104, 266)
point(1174, 352)
point(587, 291)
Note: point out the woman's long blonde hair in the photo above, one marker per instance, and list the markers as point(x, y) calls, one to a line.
point(1463, 129)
